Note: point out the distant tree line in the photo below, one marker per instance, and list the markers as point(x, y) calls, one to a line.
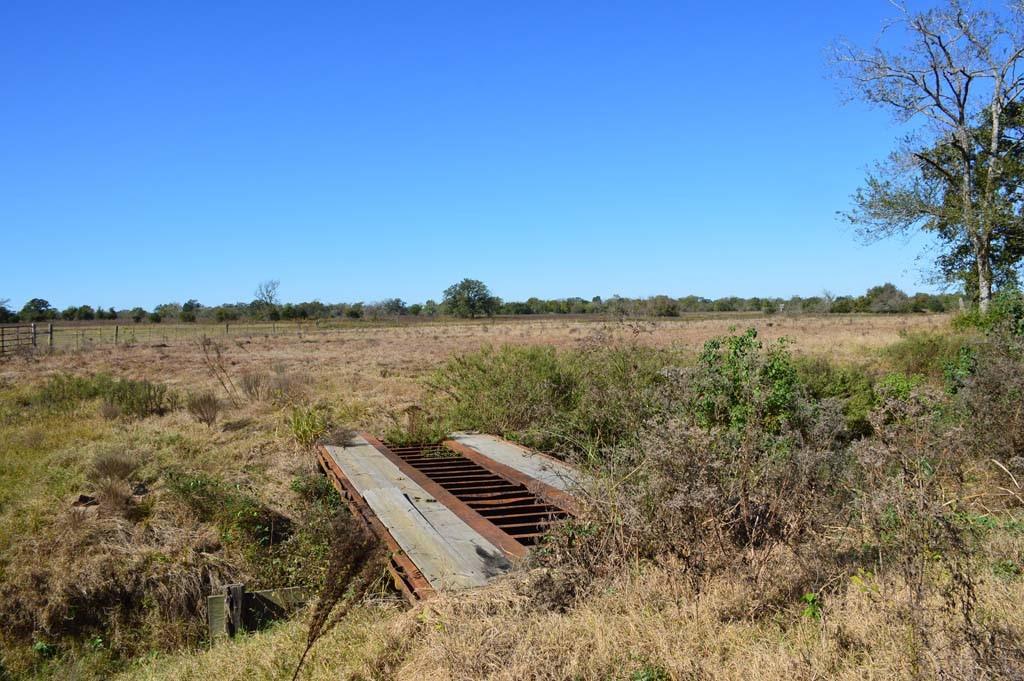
point(471, 298)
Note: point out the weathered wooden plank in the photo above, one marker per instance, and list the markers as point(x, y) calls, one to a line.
point(548, 470)
point(445, 563)
point(449, 553)
point(216, 618)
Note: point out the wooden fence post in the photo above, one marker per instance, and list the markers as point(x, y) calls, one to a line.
point(49, 336)
point(234, 594)
point(117, 332)
point(33, 334)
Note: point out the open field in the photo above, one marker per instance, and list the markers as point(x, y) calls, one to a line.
point(380, 364)
point(647, 620)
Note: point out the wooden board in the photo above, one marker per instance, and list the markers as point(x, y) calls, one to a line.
point(258, 605)
point(546, 469)
point(449, 553)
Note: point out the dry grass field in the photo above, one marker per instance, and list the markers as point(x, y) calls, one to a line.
point(648, 622)
point(380, 367)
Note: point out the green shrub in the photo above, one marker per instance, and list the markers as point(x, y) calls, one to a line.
point(853, 386)
point(739, 382)
point(1005, 313)
point(958, 370)
point(565, 401)
point(897, 386)
point(925, 353)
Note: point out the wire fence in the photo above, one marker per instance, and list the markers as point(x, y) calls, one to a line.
point(43, 337)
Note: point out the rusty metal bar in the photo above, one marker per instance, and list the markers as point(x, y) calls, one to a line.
point(497, 498)
point(483, 527)
point(545, 491)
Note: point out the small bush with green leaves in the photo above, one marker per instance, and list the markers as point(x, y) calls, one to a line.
point(897, 386)
point(739, 382)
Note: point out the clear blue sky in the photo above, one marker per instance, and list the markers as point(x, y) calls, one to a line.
point(159, 151)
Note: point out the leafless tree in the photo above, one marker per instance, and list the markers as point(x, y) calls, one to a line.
point(266, 292)
point(957, 74)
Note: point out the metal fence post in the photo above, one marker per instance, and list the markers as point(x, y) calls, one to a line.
point(117, 333)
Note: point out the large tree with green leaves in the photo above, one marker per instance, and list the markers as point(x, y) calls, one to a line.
point(37, 310)
point(470, 298)
point(958, 174)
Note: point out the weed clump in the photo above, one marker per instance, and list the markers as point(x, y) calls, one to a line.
point(134, 398)
point(204, 407)
point(308, 424)
point(62, 390)
point(277, 386)
point(139, 399)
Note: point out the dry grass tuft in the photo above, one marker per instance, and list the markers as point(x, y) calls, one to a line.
point(112, 465)
point(135, 582)
point(278, 386)
point(204, 407)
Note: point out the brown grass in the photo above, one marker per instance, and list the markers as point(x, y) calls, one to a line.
point(367, 378)
point(374, 371)
point(647, 619)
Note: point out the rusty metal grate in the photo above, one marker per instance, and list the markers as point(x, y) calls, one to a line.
point(507, 504)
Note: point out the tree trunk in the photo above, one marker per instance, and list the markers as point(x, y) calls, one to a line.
point(984, 278)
